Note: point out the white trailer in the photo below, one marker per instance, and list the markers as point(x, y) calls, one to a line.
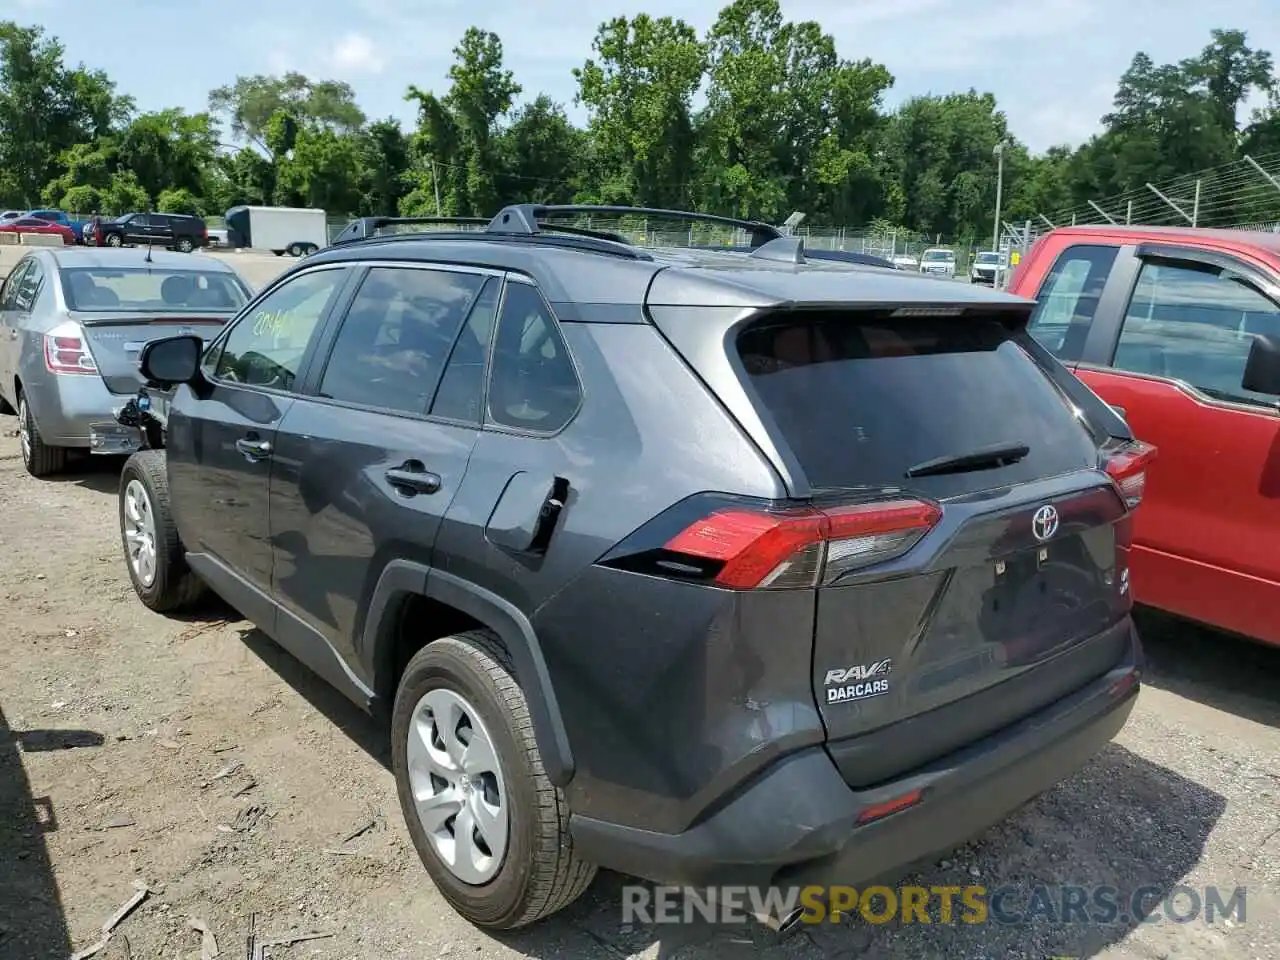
point(296, 231)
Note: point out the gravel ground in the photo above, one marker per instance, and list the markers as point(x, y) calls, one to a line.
point(195, 756)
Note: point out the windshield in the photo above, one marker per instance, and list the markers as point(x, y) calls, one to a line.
point(988, 258)
point(935, 256)
point(151, 291)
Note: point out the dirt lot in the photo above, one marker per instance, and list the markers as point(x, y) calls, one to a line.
point(195, 756)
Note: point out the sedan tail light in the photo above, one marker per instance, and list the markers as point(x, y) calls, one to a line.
point(66, 352)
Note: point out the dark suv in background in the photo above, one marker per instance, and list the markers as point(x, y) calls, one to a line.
point(705, 567)
point(174, 231)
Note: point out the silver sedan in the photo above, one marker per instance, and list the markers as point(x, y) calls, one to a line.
point(72, 324)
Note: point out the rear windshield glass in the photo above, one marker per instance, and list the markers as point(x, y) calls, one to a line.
point(860, 398)
point(161, 291)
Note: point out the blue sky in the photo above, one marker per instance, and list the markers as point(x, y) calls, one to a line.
point(1052, 64)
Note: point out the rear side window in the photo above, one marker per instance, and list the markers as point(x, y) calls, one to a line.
point(860, 398)
point(397, 336)
point(533, 385)
point(1068, 299)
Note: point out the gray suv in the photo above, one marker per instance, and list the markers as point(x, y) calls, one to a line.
point(706, 567)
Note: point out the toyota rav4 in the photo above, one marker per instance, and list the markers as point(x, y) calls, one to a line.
point(707, 567)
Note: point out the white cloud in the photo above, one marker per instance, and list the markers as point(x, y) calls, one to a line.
point(355, 53)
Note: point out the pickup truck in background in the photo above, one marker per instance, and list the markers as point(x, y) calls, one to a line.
point(1179, 330)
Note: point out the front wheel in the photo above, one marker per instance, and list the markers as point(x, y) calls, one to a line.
point(153, 554)
point(489, 826)
point(114, 240)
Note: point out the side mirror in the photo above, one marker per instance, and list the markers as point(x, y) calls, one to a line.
point(1262, 369)
point(172, 360)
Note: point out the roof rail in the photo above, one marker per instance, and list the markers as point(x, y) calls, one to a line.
point(525, 219)
point(365, 228)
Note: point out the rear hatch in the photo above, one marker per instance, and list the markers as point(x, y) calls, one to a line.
point(116, 341)
point(976, 550)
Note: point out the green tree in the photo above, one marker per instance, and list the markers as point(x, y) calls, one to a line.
point(384, 163)
point(46, 109)
point(541, 155)
point(639, 90)
point(168, 150)
point(124, 194)
point(250, 103)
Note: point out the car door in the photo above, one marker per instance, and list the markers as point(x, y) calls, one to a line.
point(220, 441)
point(161, 230)
point(368, 461)
point(1174, 361)
point(501, 531)
point(9, 331)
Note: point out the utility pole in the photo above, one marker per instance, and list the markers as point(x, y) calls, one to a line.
point(998, 150)
point(435, 182)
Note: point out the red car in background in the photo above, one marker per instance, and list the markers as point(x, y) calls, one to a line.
point(34, 225)
point(1179, 330)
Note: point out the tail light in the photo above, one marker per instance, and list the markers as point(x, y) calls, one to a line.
point(65, 350)
point(1127, 468)
point(746, 547)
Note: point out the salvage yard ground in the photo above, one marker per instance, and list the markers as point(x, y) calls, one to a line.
point(196, 757)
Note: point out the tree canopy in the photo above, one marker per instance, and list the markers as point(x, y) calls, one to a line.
point(759, 117)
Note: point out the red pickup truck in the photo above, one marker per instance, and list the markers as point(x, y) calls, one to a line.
point(1179, 330)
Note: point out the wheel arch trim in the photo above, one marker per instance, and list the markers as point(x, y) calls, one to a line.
point(401, 579)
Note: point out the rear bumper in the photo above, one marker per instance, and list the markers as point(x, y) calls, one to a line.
point(68, 408)
point(796, 824)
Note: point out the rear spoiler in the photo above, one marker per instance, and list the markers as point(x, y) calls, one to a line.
point(1103, 418)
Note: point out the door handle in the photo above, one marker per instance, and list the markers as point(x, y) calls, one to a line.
point(412, 478)
point(253, 449)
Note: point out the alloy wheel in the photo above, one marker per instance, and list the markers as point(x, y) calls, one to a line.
point(140, 532)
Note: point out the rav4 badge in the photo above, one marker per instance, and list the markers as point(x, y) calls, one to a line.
point(858, 682)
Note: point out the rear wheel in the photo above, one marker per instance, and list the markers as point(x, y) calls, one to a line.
point(152, 551)
point(295, 249)
point(490, 828)
point(185, 245)
point(40, 459)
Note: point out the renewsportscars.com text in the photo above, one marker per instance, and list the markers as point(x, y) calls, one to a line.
point(971, 904)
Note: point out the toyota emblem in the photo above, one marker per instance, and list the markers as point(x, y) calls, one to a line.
point(1044, 523)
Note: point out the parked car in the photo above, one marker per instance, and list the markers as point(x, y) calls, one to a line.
point(76, 224)
point(904, 261)
point(72, 323)
point(22, 225)
point(938, 262)
point(172, 231)
point(435, 467)
point(12, 215)
point(1180, 329)
point(985, 265)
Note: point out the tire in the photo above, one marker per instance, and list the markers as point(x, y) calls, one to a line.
point(171, 584)
point(40, 459)
point(295, 250)
point(113, 240)
point(536, 873)
point(185, 245)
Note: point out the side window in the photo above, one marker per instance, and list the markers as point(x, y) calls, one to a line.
point(267, 344)
point(1195, 325)
point(460, 395)
point(1068, 299)
point(532, 385)
point(11, 284)
point(397, 335)
point(29, 287)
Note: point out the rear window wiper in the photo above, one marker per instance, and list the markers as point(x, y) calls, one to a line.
point(984, 458)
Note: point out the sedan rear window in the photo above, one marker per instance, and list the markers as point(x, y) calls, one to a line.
point(863, 397)
point(95, 289)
